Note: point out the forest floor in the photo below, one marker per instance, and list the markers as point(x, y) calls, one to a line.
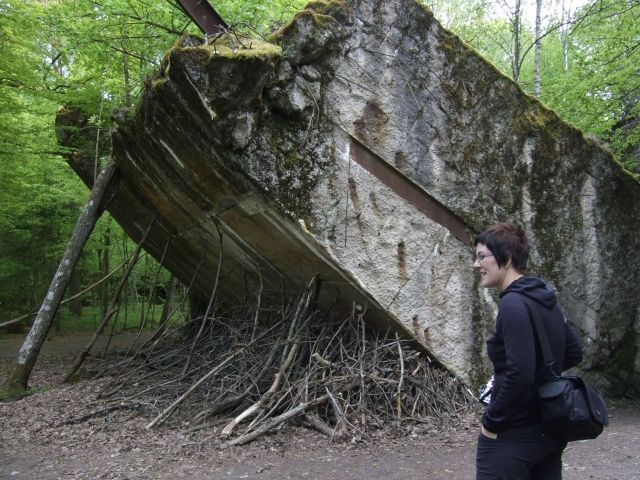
point(37, 441)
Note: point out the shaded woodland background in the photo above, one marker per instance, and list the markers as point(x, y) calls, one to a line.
point(582, 61)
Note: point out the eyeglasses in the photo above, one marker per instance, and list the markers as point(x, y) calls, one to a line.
point(478, 257)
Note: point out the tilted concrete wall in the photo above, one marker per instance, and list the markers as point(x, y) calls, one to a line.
point(370, 148)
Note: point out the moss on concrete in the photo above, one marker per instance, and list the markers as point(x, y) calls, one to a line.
point(296, 164)
point(322, 12)
point(240, 48)
point(617, 368)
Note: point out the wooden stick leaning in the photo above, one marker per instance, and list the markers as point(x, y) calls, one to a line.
point(233, 401)
point(71, 298)
point(152, 341)
point(101, 193)
point(301, 309)
point(165, 413)
point(212, 298)
point(113, 305)
point(401, 382)
point(262, 401)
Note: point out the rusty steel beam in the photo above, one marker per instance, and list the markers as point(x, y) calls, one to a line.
point(408, 190)
point(204, 16)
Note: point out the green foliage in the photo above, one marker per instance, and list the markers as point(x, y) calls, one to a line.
point(95, 55)
point(132, 316)
point(600, 90)
point(257, 17)
point(98, 55)
point(51, 53)
point(39, 200)
point(590, 62)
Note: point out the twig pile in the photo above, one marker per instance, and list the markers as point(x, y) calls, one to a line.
point(242, 375)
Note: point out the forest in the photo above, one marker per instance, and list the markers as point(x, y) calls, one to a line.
point(188, 376)
point(581, 60)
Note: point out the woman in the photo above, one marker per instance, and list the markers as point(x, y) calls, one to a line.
point(512, 443)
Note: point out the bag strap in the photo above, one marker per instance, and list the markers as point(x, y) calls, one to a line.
point(547, 354)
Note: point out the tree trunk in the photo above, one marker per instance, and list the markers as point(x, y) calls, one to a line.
point(127, 287)
point(564, 36)
point(516, 24)
point(104, 261)
point(127, 82)
point(166, 308)
point(538, 51)
point(21, 371)
point(75, 287)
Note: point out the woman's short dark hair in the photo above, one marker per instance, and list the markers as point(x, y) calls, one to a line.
point(506, 241)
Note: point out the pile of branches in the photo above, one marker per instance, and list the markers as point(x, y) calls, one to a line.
point(241, 374)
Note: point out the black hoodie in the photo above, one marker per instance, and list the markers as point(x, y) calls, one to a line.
point(515, 353)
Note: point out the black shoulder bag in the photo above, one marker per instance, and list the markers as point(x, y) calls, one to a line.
point(570, 408)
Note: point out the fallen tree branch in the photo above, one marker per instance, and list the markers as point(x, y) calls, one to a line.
point(313, 421)
point(277, 381)
point(211, 372)
point(274, 422)
point(301, 309)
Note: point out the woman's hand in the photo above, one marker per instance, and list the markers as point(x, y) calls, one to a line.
point(488, 434)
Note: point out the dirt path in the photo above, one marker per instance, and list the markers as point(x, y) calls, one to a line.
point(35, 442)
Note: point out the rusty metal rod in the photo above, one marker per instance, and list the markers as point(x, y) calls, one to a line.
point(204, 16)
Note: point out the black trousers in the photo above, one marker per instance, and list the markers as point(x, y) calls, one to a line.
point(524, 453)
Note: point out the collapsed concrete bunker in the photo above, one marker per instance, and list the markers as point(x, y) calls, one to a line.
point(367, 144)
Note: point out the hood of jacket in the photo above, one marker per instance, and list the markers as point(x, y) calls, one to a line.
point(534, 288)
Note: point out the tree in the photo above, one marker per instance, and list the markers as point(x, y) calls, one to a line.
point(585, 64)
point(602, 83)
point(96, 55)
point(40, 197)
point(28, 354)
point(538, 49)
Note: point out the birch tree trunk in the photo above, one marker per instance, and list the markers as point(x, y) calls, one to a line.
point(538, 51)
point(564, 36)
point(18, 378)
point(516, 26)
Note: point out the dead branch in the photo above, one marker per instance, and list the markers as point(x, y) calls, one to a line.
point(231, 402)
point(301, 309)
point(152, 341)
point(113, 305)
point(101, 193)
point(264, 399)
point(316, 423)
point(260, 288)
point(71, 298)
point(211, 372)
point(401, 382)
point(185, 369)
point(338, 431)
point(274, 422)
point(286, 364)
